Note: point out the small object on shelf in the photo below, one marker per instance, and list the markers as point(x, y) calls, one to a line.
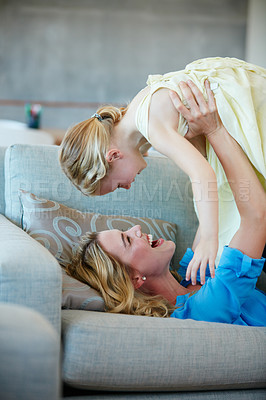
point(33, 115)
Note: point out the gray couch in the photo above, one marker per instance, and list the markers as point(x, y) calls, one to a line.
point(106, 355)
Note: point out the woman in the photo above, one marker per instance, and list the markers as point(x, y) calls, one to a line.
point(133, 274)
point(104, 152)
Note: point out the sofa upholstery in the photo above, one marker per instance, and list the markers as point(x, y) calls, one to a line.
point(29, 272)
point(112, 352)
point(27, 339)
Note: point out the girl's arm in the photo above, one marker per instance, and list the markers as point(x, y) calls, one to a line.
point(163, 120)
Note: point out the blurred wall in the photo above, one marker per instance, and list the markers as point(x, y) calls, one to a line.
point(102, 50)
point(256, 32)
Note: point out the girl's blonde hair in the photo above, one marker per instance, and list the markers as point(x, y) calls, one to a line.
point(95, 267)
point(84, 148)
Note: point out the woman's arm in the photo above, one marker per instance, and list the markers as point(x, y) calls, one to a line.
point(249, 195)
point(163, 120)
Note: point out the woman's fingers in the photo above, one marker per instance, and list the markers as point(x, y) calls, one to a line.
point(198, 96)
point(194, 98)
point(189, 96)
point(179, 105)
point(211, 98)
point(201, 115)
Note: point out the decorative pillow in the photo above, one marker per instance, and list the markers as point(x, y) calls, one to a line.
point(78, 296)
point(60, 228)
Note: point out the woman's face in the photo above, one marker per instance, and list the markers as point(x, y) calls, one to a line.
point(133, 249)
point(122, 172)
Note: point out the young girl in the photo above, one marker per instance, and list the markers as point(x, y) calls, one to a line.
point(134, 278)
point(104, 152)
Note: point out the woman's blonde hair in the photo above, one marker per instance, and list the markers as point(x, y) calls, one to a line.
point(95, 267)
point(84, 148)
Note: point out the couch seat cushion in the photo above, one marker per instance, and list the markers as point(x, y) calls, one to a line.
point(134, 353)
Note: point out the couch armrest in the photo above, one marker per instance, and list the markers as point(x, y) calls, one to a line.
point(30, 355)
point(29, 274)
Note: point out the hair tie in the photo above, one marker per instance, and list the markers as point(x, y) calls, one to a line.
point(97, 116)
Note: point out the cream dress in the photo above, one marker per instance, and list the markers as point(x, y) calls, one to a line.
point(240, 93)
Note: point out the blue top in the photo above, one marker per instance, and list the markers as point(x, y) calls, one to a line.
point(230, 297)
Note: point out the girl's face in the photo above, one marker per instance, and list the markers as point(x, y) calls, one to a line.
point(122, 172)
point(133, 249)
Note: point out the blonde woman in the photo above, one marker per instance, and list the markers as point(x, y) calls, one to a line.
point(132, 273)
point(105, 152)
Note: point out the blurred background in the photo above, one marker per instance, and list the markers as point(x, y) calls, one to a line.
point(69, 56)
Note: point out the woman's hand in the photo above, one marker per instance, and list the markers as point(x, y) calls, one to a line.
point(205, 253)
point(202, 116)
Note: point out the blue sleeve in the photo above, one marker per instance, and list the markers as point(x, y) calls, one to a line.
point(239, 272)
point(220, 299)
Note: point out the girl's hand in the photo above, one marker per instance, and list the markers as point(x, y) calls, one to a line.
point(202, 116)
point(205, 253)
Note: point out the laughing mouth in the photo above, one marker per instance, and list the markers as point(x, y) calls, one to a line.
point(154, 243)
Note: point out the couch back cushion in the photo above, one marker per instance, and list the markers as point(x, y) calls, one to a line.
point(161, 191)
